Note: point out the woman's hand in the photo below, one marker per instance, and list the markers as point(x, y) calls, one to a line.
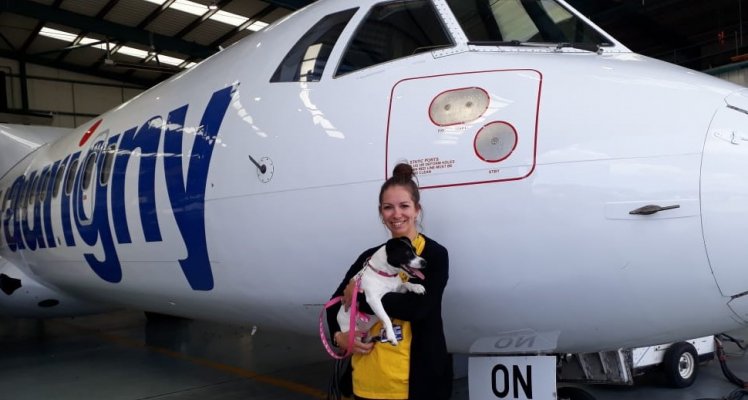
point(348, 294)
point(359, 347)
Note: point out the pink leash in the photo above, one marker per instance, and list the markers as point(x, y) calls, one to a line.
point(351, 324)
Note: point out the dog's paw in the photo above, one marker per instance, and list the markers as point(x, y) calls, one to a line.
point(390, 337)
point(419, 289)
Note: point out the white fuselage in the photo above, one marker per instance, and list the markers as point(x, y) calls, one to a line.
point(541, 242)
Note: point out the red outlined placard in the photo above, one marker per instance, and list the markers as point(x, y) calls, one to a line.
point(446, 156)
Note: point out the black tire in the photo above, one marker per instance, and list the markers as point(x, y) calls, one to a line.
point(680, 365)
point(573, 393)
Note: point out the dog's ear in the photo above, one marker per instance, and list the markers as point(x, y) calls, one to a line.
point(399, 251)
point(398, 241)
point(406, 241)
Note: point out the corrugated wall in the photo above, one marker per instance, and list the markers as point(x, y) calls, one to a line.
point(735, 72)
point(736, 76)
point(71, 99)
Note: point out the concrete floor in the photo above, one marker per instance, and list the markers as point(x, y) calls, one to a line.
point(124, 356)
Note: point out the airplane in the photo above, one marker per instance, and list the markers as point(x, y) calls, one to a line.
point(591, 198)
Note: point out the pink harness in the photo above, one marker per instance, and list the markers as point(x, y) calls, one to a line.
point(354, 315)
point(351, 325)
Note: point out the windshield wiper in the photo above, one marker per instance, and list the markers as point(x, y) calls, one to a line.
point(591, 47)
point(505, 43)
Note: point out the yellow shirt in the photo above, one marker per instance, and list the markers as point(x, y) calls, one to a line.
point(384, 373)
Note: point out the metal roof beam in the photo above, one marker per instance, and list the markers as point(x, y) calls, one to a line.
point(155, 14)
point(5, 39)
point(39, 25)
point(100, 15)
point(258, 16)
point(290, 4)
point(199, 20)
point(76, 68)
point(116, 31)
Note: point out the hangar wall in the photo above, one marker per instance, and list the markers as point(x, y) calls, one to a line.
point(736, 74)
point(57, 97)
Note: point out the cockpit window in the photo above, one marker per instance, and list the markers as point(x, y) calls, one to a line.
point(4, 202)
point(34, 190)
point(106, 169)
point(517, 22)
point(43, 186)
point(71, 177)
point(88, 171)
point(8, 198)
point(394, 30)
point(308, 57)
point(29, 193)
point(58, 180)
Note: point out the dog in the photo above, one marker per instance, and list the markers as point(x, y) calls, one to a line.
point(381, 275)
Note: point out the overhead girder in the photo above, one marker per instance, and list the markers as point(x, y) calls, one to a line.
point(48, 62)
point(100, 15)
point(290, 4)
point(111, 30)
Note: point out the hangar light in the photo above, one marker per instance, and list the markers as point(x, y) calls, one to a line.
point(170, 60)
point(130, 51)
point(193, 8)
point(257, 25)
point(59, 35)
point(70, 37)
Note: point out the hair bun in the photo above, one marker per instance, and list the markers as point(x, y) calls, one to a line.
point(402, 171)
point(402, 176)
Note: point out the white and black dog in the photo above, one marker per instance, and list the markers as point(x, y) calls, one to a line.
point(381, 275)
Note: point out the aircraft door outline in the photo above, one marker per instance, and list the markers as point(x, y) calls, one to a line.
point(723, 192)
point(465, 128)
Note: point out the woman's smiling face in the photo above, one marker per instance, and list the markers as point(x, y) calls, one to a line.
point(399, 212)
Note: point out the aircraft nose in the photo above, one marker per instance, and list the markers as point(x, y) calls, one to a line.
point(724, 198)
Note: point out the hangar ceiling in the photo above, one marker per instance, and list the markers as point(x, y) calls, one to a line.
point(145, 41)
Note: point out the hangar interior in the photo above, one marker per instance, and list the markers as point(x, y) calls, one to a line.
point(63, 62)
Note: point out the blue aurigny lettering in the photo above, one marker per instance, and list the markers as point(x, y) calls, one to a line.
point(67, 228)
point(186, 193)
point(38, 231)
point(51, 242)
point(29, 235)
point(188, 197)
point(147, 140)
point(118, 192)
point(95, 227)
point(10, 220)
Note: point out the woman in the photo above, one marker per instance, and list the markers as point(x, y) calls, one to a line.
point(419, 367)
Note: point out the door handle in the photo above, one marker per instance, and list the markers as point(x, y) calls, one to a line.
point(651, 209)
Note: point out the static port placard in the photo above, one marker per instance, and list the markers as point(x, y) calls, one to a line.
point(451, 137)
